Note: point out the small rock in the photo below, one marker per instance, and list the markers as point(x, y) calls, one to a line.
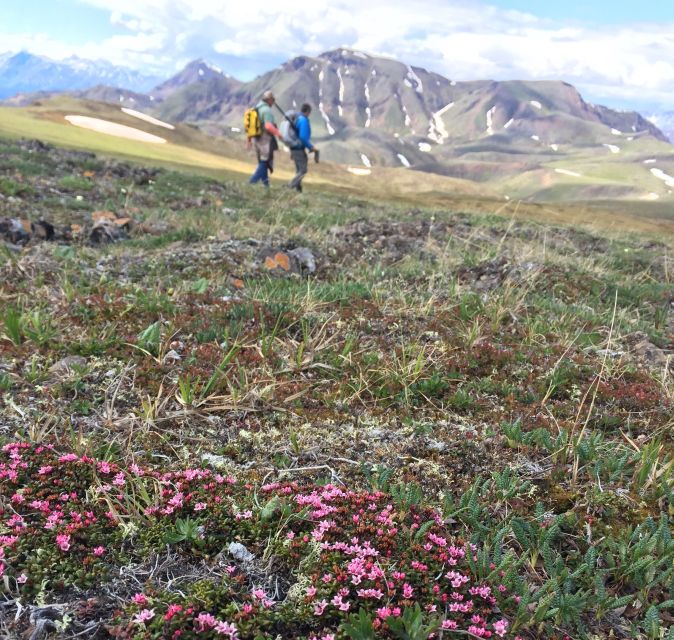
point(172, 356)
point(217, 462)
point(305, 258)
point(300, 261)
point(641, 346)
point(42, 230)
point(105, 231)
point(13, 230)
point(239, 552)
point(66, 365)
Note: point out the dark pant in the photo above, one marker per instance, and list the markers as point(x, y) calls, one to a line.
point(261, 173)
point(302, 167)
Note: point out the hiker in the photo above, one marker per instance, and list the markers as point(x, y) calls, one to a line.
point(265, 142)
point(298, 151)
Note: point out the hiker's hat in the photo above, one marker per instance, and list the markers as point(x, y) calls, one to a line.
point(268, 95)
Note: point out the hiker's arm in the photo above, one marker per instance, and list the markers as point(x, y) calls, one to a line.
point(270, 127)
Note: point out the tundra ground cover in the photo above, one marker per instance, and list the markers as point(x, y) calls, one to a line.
point(444, 388)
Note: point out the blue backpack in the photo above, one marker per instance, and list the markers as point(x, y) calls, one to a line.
point(289, 129)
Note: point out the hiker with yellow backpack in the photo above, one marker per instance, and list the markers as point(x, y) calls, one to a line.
point(262, 132)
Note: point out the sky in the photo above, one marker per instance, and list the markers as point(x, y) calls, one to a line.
point(617, 53)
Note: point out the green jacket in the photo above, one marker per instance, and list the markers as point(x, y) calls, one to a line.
point(265, 113)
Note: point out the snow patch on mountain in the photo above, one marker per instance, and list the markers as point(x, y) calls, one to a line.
point(535, 103)
point(650, 161)
point(368, 111)
point(425, 147)
point(616, 132)
point(408, 120)
point(665, 177)
point(612, 148)
point(403, 160)
point(437, 130)
point(359, 171)
point(325, 117)
point(554, 147)
point(341, 89)
point(568, 172)
point(146, 118)
point(535, 137)
point(365, 160)
point(113, 129)
point(415, 78)
point(507, 124)
point(490, 116)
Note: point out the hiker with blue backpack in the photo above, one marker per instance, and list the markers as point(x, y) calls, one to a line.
point(296, 131)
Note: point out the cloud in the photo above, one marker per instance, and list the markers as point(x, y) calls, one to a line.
point(463, 40)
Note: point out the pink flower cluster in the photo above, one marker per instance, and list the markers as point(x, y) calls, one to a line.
point(357, 549)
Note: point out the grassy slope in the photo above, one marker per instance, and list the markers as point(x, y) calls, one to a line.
point(410, 363)
point(190, 150)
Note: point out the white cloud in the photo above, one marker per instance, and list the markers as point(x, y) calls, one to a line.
point(459, 39)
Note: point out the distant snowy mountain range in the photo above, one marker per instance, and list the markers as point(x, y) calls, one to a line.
point(25, 72)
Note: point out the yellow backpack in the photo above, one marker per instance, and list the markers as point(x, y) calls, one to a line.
point(252, 124)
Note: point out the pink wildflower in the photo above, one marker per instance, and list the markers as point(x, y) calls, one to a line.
point(319, 607)
point(227, 629)
point(140, 598)
point(143, 616)
point(172, 610)
point(500, 627)
point(63, 541)
point(104, 467)
point(205, 621)
point(99, 551)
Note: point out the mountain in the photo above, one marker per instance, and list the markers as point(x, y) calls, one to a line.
point(24, 72)
point(525, 139)
point(665, 122)
point(100, 93)
point(372, 106)
point(196, 72)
